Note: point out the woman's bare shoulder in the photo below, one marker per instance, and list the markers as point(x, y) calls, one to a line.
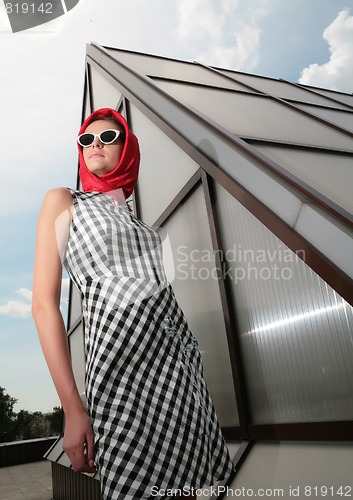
point(57, 200)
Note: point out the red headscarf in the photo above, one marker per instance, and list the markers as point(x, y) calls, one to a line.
point(125, 173)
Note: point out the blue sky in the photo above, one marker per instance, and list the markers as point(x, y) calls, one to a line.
point(41, 77)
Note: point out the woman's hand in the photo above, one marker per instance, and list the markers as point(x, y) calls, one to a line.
point(79, 442)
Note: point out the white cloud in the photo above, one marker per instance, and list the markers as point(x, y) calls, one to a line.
point(16, 309)
point(25, 293)
point(240, 56)
point(223, 33)
point(337, 73)
point(210, 21)
point(22, 309)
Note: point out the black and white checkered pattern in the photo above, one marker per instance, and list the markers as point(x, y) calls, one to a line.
point(154, 422)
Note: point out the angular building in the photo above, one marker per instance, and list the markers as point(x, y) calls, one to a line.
point(250, 181)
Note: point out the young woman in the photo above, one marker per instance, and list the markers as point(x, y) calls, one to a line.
point(148, 424)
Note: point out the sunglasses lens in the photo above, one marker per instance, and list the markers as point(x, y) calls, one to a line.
point(109, 136)
point(86, 140)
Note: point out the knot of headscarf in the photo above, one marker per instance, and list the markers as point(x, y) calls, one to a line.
point(125, 174)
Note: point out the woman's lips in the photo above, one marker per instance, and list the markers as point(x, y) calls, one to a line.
point(93, 155)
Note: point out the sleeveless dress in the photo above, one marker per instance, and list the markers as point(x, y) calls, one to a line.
point(154, 423)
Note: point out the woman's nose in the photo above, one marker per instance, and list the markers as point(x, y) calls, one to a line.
point(97, 142)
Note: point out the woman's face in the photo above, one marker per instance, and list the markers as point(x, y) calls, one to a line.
point(102, 158)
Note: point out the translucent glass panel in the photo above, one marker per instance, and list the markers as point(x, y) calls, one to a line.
point(164, 170)
point(330, 174)
point(327, 235)
point(77, 351)
point(173, 69)
point(197, 292)
point(284, 90)
point(56, 451)
point(105, 95)
point(343, 119)
point(255, 116)
point(63, 458)
point(87, 106)
point(295, 470)
point(296, 333)
point(75, 309)
point(338, 96)
point(76, 341)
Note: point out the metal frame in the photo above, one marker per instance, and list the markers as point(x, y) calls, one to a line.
point(289, 102)
point(229, 312)
point(255, 93)
point(238, 460)
point(304, 431)
point(326, 430)
point(292, 179)
point(310, 89)
point(315, 90)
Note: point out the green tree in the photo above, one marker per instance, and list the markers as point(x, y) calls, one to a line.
point(40, 426)
point(31, 425)
point(23, 425)
point(56, 420)
point(7, 416)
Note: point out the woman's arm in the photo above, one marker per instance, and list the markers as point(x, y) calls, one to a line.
point(52, 232)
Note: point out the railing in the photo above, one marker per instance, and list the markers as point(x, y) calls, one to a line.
point(22, 452)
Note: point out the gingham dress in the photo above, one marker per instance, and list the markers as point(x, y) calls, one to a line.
point(154, 423)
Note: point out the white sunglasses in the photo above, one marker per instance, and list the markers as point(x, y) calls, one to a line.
point(106, 137)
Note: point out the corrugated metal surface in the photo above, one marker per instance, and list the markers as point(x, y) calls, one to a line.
point(295, 331)
point(69, 485)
